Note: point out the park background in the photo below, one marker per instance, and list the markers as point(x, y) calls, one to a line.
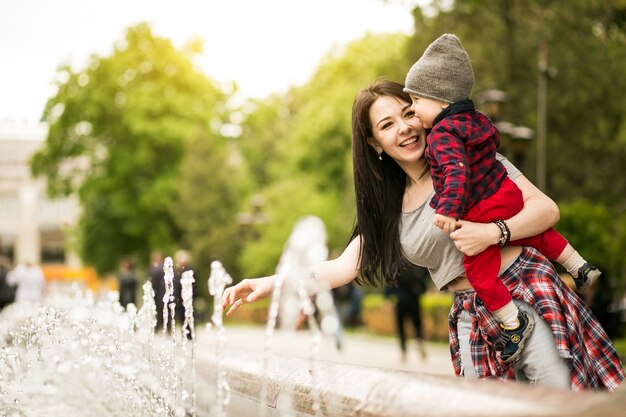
point(161, 156)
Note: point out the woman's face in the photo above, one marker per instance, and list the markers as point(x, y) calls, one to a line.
point(396, 130)
point(427, 109)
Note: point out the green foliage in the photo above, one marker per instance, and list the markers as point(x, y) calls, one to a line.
point(208, 198)
point(373, 301)
point(286, 202)
point(586, 42)
point(437, 300)
point(300, 147)
point(320, 130)
point(588, 228)
point(120, 128)
point(586, 129)
point(586, 120)
point(620, 346)
point(117, 134)
point(430, 301)
point(435, 306)
point(265, 123)
point(598, 237)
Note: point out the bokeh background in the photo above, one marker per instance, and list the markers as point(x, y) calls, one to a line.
point(214, 126)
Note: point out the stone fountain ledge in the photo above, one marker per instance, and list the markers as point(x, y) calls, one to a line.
point(79, 358)
point(348, 390)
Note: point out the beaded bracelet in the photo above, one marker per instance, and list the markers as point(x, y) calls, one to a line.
point(505, 233)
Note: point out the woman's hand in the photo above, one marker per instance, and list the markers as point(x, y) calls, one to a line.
point(472, 238)
point(247, 291)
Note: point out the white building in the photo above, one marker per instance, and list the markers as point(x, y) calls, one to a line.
point(32, 227)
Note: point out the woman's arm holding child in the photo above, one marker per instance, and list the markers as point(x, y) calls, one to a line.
point(540, 213)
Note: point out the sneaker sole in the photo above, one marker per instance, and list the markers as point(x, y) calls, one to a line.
point(527, 331)
point(591, 279)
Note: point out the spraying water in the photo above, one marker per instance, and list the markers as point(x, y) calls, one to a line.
point(168, 295)
point(77, 350)
point(293, 292)
point(74, 352)
point(218, 280)
point(188, 332)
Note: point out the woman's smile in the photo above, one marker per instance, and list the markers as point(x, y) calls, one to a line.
point(409, 141)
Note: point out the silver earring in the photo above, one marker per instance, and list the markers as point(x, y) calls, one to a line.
point(380, 156)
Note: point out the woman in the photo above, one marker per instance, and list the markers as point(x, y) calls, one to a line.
point(567, 349)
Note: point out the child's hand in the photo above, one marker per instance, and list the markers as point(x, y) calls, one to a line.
point(445, 223)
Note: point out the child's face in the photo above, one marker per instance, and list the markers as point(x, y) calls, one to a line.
point(427, 109)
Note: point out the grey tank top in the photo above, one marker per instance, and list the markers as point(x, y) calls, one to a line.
point(426, 245)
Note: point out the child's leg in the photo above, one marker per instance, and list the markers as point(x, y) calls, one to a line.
point(556, 248)
point(482, 269)
point(482, 273)
point(550, 243)
point(517, 326)
point(584, 273)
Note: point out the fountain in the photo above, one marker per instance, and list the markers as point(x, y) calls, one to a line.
point(75, 356)
point(78, 355)
point(292, 293)
point(218, 280)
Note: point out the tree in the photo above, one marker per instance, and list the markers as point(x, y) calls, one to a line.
point(586, 122)
point(208, 200)
point(301, 143)
point(118, 130)
point(586, 50)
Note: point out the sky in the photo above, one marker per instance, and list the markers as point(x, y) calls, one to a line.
point(264, 46)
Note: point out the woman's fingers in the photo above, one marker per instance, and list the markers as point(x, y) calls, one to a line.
point(233, 294)
point(234, 306)
point(253, 296)
point(229, 296)
point(226, 297)
point(247, 291)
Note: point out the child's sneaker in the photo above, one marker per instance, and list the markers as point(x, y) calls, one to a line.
point(587, 275)
point(515, 339)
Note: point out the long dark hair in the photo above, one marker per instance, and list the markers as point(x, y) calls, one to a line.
point(379, 188)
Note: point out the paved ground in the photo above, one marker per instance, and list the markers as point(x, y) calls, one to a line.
point(357, 349)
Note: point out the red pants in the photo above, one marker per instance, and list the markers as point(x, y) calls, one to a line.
point(482, 269)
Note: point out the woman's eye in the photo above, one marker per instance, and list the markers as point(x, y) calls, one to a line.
point(387, 125)
point(409, 114)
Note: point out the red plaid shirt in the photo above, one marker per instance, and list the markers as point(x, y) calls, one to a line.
point(577, 333)
point(462, 156)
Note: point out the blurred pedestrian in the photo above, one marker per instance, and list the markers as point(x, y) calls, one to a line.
point(182, 263)
point(127, 282)
point(7, 292)
point(30, 282)
point(347, 300)
point(157, 278)
point(410, 286)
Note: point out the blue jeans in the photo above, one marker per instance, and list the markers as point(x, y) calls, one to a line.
point(539, 363)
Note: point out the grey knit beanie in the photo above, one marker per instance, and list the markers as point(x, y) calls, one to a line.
point(444, 72)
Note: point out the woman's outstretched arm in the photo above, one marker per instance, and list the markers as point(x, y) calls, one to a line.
point(540, 213)
point(335, 273)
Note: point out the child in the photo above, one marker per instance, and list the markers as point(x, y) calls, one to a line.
point(471, 184)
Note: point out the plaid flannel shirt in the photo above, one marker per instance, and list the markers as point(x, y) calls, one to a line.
point(461, 152)
point(578, 334)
